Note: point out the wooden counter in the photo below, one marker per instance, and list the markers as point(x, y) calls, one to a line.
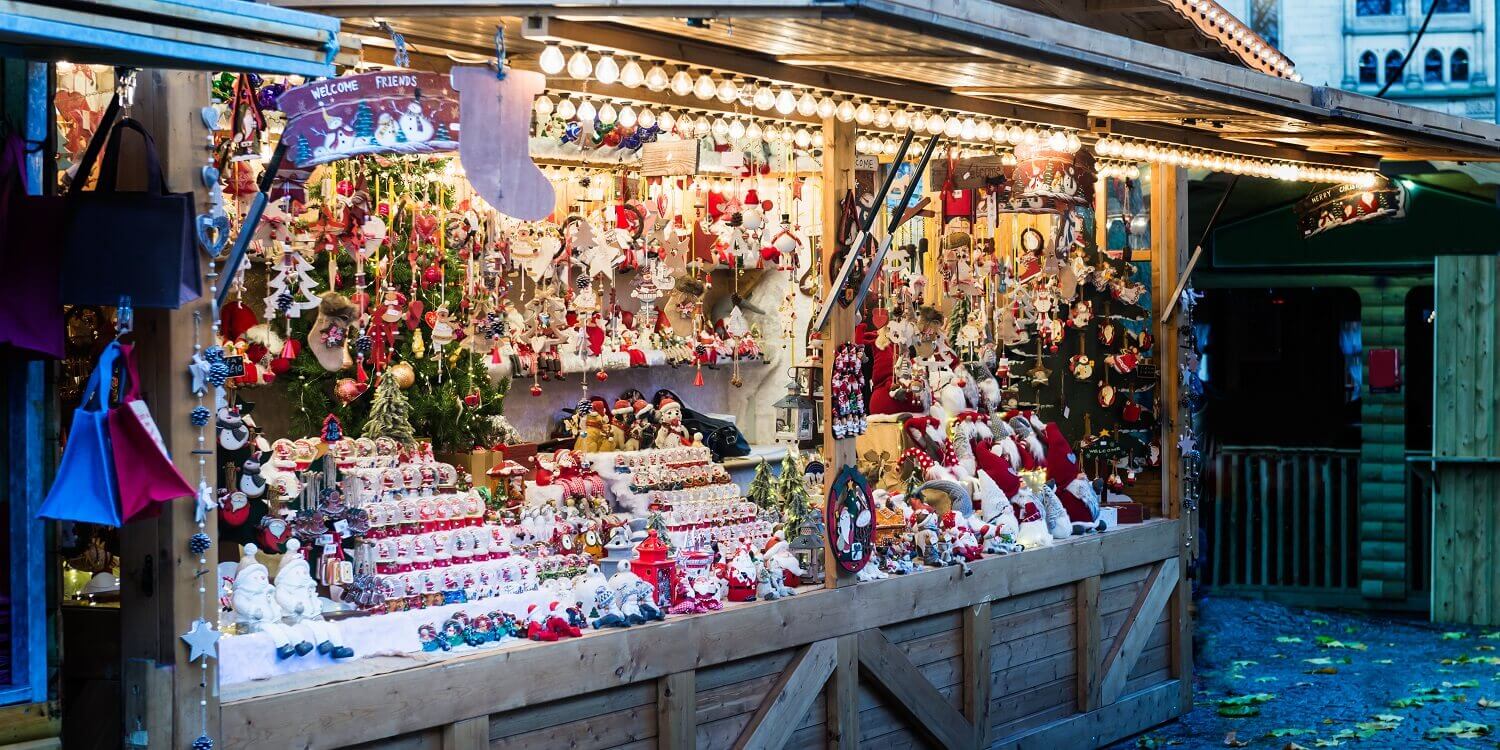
point(1069, 646)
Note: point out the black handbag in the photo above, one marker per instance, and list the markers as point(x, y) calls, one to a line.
point(723, 439)
point(119, 243)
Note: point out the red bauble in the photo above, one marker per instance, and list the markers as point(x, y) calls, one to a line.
point(432, 275)
point(536, 390)
point(346, 188)
point(766, 205)
point(280, 365)
point(472, 400)
point(601, 376)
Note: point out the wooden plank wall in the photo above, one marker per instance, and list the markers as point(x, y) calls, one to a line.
point(1466, 543)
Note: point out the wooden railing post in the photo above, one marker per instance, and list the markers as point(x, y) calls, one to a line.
point(676, 711)
point(977, 669)
point(842, 696)
point(1087, 633)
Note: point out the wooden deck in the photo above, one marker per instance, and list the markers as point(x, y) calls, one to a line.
point(1069, 646)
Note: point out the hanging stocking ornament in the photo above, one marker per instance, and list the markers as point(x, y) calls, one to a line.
point(329, 337)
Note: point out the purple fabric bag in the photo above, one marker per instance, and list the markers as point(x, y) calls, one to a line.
point(31, 312)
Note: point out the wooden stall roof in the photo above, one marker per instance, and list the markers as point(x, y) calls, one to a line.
point(181, 34)
point(965, 55)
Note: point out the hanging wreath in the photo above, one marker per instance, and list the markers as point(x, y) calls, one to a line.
point(851, 520)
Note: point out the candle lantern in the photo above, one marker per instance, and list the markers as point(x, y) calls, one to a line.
point(656, 567)
point(796, 416)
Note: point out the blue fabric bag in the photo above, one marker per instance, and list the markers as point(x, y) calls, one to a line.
point(85, 488)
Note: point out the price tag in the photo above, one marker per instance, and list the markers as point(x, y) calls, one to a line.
point(342, 527)
point(330, 549)
point(236, 365)
point(325, 539)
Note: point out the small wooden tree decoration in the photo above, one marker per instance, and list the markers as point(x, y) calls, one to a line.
point(390, 414)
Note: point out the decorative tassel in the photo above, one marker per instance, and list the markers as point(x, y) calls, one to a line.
point(359, 372)
point(494, 355)
point(698, 379)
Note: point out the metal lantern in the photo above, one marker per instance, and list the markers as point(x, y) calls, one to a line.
point(807, 546)
point(796, 416)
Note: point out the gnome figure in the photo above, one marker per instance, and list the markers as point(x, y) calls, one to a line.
point(255, 607)
point(297, 596)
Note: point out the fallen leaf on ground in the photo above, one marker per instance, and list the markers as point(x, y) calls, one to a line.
point(1289, 732)
point(1326, 743)
point(1384, 661)
point(1454, 636)
point(1487, 703)
point(1288, 639)
point(1232, 740)
point(1319, 621)
point(1459, 729)
point(1494, 636)
point(1323, 670)
point(1464, 684)
point(1388, 717)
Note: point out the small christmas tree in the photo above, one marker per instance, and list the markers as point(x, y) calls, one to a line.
point(792, 490)
point(292, 290)
point(364, 122)
point(655, 520)
point(304, 151)
point(956, 319)
point(762, 490)
point(442, 134)
point(390, 414)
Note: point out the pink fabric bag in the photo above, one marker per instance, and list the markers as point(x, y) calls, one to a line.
point(146, 474)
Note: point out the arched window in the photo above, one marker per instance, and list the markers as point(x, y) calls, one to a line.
point(1369, 68)
point(1432, 67)
point(1458, 66)
point(1392, 66)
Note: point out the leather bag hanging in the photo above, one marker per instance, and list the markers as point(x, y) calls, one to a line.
point(117, 242)
point(85, 488)
point(144, 471)
point(31, 312)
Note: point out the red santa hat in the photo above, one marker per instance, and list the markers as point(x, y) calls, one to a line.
point(642, 408)
point(621, 407)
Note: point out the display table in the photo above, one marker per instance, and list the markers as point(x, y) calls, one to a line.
point(1048, 646)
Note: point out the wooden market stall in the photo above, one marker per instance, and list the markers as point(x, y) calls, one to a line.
point(1077, 644)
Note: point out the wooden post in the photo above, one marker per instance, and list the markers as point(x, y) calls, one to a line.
point(843, 696)
point(838, 178)
point(676, 711)
point(160, 577)
point(468, 734)
point(978, 628)
point(1088, 632)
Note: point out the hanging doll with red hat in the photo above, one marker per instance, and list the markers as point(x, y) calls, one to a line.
point(1072, 486)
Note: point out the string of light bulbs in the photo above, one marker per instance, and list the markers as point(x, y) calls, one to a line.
point(1222, 161)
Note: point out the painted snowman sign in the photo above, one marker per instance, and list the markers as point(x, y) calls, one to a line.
point(386, 112)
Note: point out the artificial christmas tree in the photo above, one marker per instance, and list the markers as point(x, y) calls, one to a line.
point(762, 489)
point(791, 489)
point(390, 413)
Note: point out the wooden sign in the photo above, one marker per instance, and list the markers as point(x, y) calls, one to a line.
point(389, 112)
point(967, 174)
point(850, 520)
point(667, 158)
point(1045, 181)
point(1342, 205)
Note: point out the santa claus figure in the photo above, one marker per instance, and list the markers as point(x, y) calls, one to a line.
point(742, 574)
point(670, 432)
point(1073, 487)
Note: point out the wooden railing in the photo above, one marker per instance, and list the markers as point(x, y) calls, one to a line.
point(1284, 523)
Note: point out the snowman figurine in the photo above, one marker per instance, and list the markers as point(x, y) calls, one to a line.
point(297, 596)
point(255, 607)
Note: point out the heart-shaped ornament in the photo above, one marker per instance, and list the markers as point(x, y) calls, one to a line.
point(213, 233)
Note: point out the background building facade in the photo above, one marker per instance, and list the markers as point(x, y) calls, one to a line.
point(1359, 44)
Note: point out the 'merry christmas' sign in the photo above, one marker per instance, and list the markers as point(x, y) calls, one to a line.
point(390, 112)
point(1341, 205)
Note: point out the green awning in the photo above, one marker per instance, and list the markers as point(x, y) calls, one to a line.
point(1437, 222)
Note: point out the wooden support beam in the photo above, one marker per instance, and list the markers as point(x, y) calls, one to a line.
point(790, 698)
point(1047, 91)
point(894, 673)
point(845, 59)
point(838, 179)
point(676, 711)
point(1087, 632)
point(843, 696)
point(159, 576)
point(978, 669)
point(467, 734)
point(1136, 629)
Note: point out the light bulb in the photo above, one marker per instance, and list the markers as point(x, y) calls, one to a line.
point(552, 60)
point(586, 111)
point(807, 106)
point(645, 119)
point(607, 71)
point(1104, 148)
point(845, 111)
point(864, 114)
point(826, 107)
point(702, 127)
point(682, 83)
point(803, 139)
point(704, 87)
point(566, 109)
point(737, 129)
point(888, 147)
point(1014, 135)
point(764, 98)
point(817, 138)
point(984, 131)
point(788, 134)
point(657, 78)
point(968, 130)
point(666, 120)
point(935, 124)
point(882, 118)
point(627, 117)
point(772, 133)
point(919, 121)
point(1030, 137)
point(631, 76)
point(1057, 141)
point(579, 65)
point(719, 128)
point(728, 90)
point(1008, 159)
point(544, 106)
point(786, 102)
point(607, 114)
point(900, 119)
point(752, 131)
point(953, 128)
point(862, 145)
point(1073, 143)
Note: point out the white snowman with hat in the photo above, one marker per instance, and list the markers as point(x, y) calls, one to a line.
point(297, 596)
point(255, 607)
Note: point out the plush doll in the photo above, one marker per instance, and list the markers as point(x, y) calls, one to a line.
point(1073, 489)
point(328, 339)
point(670, 432)
point(777, 564)
point(743, 573)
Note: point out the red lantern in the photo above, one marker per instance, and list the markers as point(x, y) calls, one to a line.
point(657, 568)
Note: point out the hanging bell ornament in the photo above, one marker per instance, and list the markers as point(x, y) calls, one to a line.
point(536, 389)
point(601, 375)
point(736, 381)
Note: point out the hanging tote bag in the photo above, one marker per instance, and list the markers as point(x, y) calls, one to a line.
point(118, 242)
point(31, 313)
point(144, 472)
point(84, 489)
